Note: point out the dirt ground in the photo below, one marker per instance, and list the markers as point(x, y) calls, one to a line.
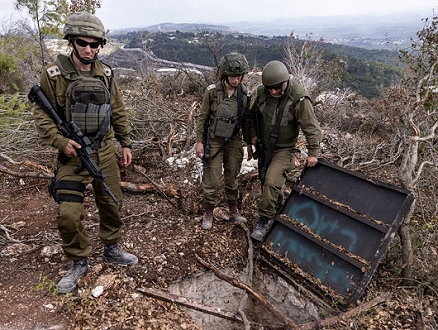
point(166, 234)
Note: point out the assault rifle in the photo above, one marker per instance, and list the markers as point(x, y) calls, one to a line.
point(72, 131)
point(259, 147)
point(207, 155)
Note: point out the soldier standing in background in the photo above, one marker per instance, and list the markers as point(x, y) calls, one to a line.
point(221, 117)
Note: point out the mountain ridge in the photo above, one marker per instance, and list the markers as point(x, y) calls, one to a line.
point(382, 31)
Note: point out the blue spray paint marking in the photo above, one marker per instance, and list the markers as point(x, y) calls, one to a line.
point(302, 255)
point(319, 224)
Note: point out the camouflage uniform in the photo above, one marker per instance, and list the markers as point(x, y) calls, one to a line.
point(298, 113)
point(86, 94)
point(54, 83)
point(223, 112)
point(76, 243)
point(231, 158)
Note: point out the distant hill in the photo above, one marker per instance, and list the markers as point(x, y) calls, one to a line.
point(391, 31)
point(368, 71)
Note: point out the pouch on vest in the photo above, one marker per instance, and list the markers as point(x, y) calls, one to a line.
point(90, 117)
point(87, 103)
point(226, 118)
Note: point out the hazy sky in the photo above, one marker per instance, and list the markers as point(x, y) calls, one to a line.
point(132, 13)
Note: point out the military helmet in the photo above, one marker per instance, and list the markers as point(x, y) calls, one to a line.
point(84, 24)
point(233, 64)
point(274, 73)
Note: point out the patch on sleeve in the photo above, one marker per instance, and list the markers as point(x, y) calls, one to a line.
point(211, 86)
point(53, 71)
point(107, 72)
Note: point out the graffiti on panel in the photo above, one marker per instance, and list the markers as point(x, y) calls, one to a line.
point(325, 269)
point(319, 222)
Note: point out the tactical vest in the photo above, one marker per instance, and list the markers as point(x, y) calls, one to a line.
point(296, 94)
point(88, 99)
point(288, 122)
point(227, 113)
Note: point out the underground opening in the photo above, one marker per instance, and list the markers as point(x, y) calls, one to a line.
point(314, 263)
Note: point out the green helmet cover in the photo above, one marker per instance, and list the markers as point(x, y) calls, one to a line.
point(274, 73)
point(233, 64)
point(84, 24)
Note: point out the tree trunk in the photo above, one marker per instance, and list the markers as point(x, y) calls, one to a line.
point(406, 244)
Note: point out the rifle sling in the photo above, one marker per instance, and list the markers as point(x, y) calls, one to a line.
point(239, 120)
point(275, 130)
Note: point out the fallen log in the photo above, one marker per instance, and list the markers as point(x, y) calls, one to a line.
point(128, 186)
point(43, 174)
point(142, 170)
point(149, 188)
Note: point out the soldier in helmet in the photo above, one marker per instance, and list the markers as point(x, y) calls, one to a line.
point(223, 108)
point(281, 108)
point(82, 89)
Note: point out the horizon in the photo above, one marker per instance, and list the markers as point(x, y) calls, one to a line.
point(116, 15)
point(412, 16)
point(330, 28)
point(191, 11)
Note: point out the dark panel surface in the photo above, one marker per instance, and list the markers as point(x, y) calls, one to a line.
point(334, 228)
point(325, 267)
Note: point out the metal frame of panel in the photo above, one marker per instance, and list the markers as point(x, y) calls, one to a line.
point(334, 228)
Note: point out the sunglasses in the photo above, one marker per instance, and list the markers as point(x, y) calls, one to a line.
point(276, 87)
point(83, 43)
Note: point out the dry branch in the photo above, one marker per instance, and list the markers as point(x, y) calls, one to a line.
point(24, 162)
point(43, 174)
point(170, 139)
point(348, 314)
point(237, 283)
point(8, 237)
point(172, 298)
point(249, 276)
point(190, 124)
point(142, 170)
point(149, 188)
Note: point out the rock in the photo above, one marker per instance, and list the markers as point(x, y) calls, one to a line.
point(50, 250)
point(103, 283)
point(97, 291)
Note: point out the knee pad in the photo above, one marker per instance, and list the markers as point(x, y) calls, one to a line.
point(67, 185)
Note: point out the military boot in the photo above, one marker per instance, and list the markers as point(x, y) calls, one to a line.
point(113, 253)
point(207, 219)
point(78, 269)
point(261, 228)
point(234, 214)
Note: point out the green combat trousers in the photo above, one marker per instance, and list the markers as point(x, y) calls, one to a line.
point(271, 200)
point(230, 159)
point(75, 241)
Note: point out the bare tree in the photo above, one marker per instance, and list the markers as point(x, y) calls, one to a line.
point(305, 59)
point(412, 120)
point(19, 57)
point(49, 15)
point(213, 41)
point(84, 5)
point(401, 130)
